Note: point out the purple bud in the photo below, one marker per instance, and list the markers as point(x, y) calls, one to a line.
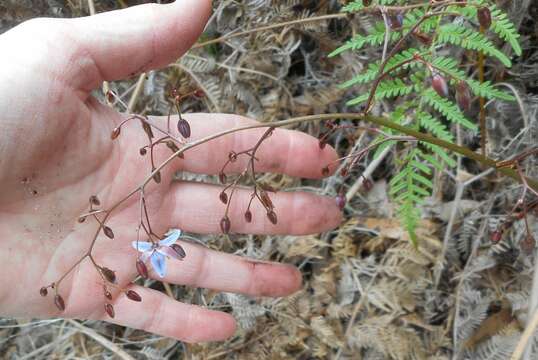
point(59, 302)
point(439, 85)
point(248, 216)
point(484, 17)
point(463, 96)
point(271, 215)
point(109, 309)
point(225, 225)
point(179, 250)
point(496, 236)
point(115, 133)
point(341, 201)
point(184, 128)
point(108, 232)
point(108, 274)
point(133, 295)
point(142, 269)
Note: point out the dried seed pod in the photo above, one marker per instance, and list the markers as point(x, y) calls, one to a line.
point(172, 253)
point(322, 142)
point(266, 200)
point(43, 291)
point(248, 216)
point(143, 151)
point(463, 96)
point(422, 37)
point(267, 187)
point(94, 200)
point(109, 309)
point(341, 201)
point(115, 133)
point(59, 302)
point(439, 85)
point(271, 215)
point(179, 250)
point(147, 129)
point(484, 17)
point(528, 244)
point(142, 269)
point(172, 146)
point(157, 177)
point(223, 197)
point(107, 293)
point(225, 225)
point(110, 96)
point(108, 274)
point(367, 183)
point(232, 156)
point(108, 232)
point(395, 21)
point(184, 128)
point(496, 236)
point(81, 219)
point(222, 178)
point(133, 295)
point(325, 171)
point(199, 93)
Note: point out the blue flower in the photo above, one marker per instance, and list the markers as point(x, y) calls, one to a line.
point(158, 252)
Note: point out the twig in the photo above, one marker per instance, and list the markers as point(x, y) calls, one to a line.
point(101, 340)
point(268, 27)
point(367, 173)
point(136, 92)
point(482, 101)
point(526, 337)
point(448, 233)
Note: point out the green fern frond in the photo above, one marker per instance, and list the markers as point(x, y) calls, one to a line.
point(386, 89)
point(441, 152)
point(471, 40)
point(434, 126)
point(409, 188)
point(449, 66)
point(357, 5)
point(500, 23)
point(374, 38)
point(447, 108)
point(506, 29)
point(373, 68)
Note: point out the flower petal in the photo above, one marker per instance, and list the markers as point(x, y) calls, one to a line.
point(141, 245)
point(171, 237)
point(158, 261)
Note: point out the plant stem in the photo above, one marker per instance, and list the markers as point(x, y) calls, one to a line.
point(482, 102)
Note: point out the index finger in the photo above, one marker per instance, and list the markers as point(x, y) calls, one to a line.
point(285, 152)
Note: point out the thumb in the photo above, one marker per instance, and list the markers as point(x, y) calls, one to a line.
point(125, 42)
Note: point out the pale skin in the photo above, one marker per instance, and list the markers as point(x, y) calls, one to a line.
point(56, 151)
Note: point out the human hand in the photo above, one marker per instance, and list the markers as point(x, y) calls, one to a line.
point(56, 152)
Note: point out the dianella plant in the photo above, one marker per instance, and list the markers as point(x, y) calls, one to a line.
point(428, 88)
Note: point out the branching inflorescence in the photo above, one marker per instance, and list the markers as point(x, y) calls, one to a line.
point(413, 73)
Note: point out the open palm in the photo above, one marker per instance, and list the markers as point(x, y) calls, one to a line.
point(56, 151)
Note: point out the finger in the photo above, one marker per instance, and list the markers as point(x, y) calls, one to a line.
point(286, 151)
point(230, 273)
point(120, 43)
point(157, 313)
point(196, 207)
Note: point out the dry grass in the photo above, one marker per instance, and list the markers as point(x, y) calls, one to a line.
point(464, 298)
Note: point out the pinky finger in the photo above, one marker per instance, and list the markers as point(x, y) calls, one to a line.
point(159, 314)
